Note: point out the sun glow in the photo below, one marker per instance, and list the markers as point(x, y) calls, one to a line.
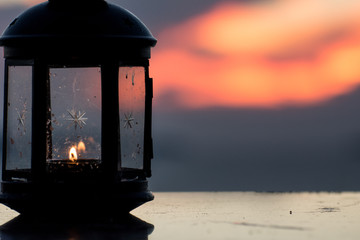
point(260, 55)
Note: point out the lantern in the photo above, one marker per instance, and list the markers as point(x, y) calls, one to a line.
point(77, 109)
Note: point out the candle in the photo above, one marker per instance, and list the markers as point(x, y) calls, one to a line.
point(74, 164)
point(66, 166)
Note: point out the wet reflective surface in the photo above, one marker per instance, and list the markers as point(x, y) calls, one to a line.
point(209, 215)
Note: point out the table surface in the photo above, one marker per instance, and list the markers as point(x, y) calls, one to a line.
point(245, 215)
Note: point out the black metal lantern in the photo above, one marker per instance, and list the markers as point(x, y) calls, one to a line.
point(77, 115)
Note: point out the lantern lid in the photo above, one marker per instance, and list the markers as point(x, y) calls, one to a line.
point(73, 24)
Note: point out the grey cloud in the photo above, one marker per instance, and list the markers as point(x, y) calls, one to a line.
point(160, 14)
point(291, 149)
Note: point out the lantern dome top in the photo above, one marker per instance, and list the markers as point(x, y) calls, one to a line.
point(76, 23)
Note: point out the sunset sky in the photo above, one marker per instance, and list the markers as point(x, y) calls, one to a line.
point(260, 54)
point(266, 54)
point(263, 93)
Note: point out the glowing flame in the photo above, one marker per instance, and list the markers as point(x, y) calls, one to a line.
point(76, 151)
point(81, 146)
point(73, 154)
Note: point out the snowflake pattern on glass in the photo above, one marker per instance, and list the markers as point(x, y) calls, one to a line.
point(77, 118)
point(128, 120)
point(21, 117)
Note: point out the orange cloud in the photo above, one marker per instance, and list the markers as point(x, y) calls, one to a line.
point(32, 2)
point(29, 3)
point(269, 54)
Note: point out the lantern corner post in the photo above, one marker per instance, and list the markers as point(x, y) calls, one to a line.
point(148, 140)
point(40, 118)
point(4, 132)
point(110, 134)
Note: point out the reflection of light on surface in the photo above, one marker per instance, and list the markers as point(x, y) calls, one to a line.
point(269, 54)
point(81, 146)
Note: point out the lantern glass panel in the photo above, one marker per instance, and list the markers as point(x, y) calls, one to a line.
point(19, 105)
point(132, 116)
point(74, 124)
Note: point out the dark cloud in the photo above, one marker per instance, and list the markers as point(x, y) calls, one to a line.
point(291, 149)
point(6, 16)
point(160, 14)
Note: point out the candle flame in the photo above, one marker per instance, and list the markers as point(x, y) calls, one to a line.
point(73, 154)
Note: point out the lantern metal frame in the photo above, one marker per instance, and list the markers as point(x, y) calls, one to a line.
point(119, 40)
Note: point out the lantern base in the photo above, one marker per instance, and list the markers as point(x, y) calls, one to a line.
point(79, 199)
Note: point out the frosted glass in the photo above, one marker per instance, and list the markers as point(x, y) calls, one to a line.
point(75, 111)
point(18, 152)
point(132, 116)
